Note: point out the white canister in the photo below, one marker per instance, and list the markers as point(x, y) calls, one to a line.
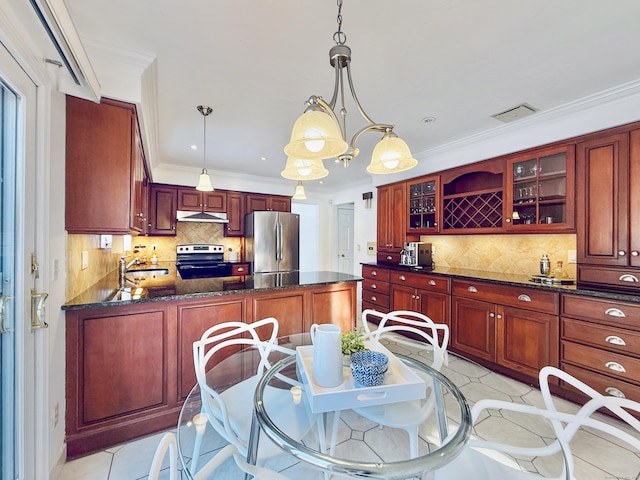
point(233, 256)
point(327, 355)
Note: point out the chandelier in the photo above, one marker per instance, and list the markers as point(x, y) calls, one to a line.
point(204, 184)
point(318, 133)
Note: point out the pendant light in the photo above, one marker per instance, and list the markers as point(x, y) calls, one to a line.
point(318, 133)
point(299, 192)
point(204, 184)
point(302, 169)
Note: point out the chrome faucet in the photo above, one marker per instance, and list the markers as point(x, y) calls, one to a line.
point(123, 266)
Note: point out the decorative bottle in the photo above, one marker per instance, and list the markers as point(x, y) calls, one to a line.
point(559, 272)
point(545, 265)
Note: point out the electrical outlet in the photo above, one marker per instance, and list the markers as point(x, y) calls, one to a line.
point(572, 256)
point(85, 260)
point(56, 414)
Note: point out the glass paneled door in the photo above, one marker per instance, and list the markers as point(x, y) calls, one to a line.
point(17, 240)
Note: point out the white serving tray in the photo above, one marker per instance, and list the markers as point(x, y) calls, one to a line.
point(400, 384)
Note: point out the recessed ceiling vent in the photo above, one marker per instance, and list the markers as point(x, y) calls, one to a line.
point(515, 113)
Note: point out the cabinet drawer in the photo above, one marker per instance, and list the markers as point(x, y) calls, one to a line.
point(607, 363)
point(375, 273)
point(602, 311)
point(603, 384)
point(422, 281)
point(240, 269)
point(388, 257)
point(521, 297)
point(623, 278)
point(376, 298)
point(603, 336)
point(375, 286)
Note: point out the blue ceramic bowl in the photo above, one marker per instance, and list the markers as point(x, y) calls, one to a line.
point(369, 368)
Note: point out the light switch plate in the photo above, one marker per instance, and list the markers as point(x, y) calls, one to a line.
point(572, 256)
point(85, 260)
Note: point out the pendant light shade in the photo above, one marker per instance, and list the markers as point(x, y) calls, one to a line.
point(299, 192)
point(391, 155)
point(315, 135)
point(303, 169)
point(204, 183)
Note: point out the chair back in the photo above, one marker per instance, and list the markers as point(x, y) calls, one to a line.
point(567, 424)
point(168, 444)
point(216, 339)
point(419, 325)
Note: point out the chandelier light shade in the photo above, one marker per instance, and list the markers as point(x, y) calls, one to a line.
point(321, 133)
point(391, 155)
point(304, 169)
point(299, 192)
point(204, 183)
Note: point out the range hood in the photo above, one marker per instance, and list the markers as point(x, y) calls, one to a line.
point(206, 217)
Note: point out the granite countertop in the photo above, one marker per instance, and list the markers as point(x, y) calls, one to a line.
point(152, 286)
point(512, 279)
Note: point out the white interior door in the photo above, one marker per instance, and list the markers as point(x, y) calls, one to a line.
point(17, 243)
point(345, 238)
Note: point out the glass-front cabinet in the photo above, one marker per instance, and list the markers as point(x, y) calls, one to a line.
point(424, 198)
point(541, 192)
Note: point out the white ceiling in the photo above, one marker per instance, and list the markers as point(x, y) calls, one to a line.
point(256, 62)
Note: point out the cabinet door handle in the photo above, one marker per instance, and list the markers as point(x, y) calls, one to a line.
point(374, 273)
point(432, 282)
point(472, 289)
point(4, 302)
point(615, 340)
point(498, 316)
point(374, 286)
point(524, 298)
point(492, 315)
point(373, 298)
point(614, 392)
point(634, 253)
point(627, 277)
point(240, 269)
point(614, 312)
point(615, 366)
point(402, 277)
point(389, 257)
point(622, 253)
point(417, 297)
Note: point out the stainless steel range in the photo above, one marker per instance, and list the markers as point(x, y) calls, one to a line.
point(201, 261)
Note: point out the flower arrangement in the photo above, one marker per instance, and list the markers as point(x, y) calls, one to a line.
point(352, 341)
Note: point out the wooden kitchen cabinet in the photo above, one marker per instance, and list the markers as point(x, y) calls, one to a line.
point(261, 202)
point(601, 344)
point(163, 203)
point(192, 200)
point(105, 168)
point(608, 210)
point(540, 191)
point(240, 269)
point(392, 222)
point(375, 288)
point(424, 205)
point(473, 197)
point(514, 327)
point(236, 210)
point(423, 293)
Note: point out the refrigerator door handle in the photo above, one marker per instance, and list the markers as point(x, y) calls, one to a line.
point(278, 241)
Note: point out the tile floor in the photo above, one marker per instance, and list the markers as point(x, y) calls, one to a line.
point(596, 458)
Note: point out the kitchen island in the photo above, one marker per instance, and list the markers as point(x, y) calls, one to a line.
point(130, 362)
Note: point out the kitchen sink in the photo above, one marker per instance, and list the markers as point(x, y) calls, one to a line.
point(127, 293)
point(146, 272)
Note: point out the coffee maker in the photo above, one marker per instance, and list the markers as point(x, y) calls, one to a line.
point(416, 254)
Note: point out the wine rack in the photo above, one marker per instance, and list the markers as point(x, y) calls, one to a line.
point(481, 210)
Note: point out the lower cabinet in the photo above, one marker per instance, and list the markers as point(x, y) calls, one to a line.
point(422, 293)
point(375, 289)
point(601, 344)
point(129, 367)
point(514, 327)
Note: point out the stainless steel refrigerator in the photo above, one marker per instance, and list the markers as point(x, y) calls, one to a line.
point(272, 242)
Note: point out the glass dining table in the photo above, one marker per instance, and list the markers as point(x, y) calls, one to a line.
point(339, 440)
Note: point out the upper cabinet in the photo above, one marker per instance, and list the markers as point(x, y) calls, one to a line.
point(608, 210)
point(163, 203)
point(236, 208)
point(472, 198)
point(540, 193)
point(261, 202)
point(106, 175)
point(424, 205)
point(392, 217)
point(192, 200)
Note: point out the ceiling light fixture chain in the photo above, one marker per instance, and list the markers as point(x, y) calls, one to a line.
point(319, 134)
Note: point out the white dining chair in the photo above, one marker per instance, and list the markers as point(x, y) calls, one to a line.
point(168, 447)
point(230, 411)
point(411, 414)
point(484, 460)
